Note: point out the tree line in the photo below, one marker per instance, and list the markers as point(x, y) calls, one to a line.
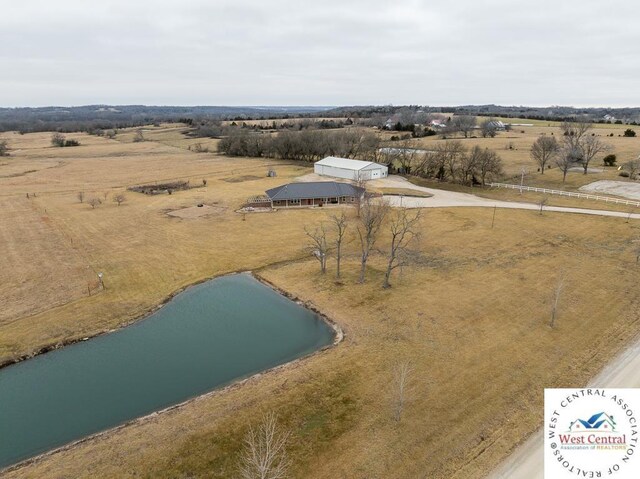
point(305, 145)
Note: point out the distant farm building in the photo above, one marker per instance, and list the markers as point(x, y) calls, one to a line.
point(318, 193)
point(497, 125)
point(350, 169)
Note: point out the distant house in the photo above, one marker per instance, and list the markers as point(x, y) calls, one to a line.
point(350, 169)
point(438, 124)
point(313, 194)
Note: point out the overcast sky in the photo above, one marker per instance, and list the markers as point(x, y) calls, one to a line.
point(344, 52)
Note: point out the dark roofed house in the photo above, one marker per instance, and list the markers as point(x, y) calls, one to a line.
point(313, 194)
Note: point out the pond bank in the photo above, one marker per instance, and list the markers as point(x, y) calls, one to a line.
point(231, 355)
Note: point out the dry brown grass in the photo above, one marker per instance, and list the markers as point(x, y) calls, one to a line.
point(514, 148)
point(470, 315)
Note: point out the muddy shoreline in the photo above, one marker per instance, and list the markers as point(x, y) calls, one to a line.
point(338, 337)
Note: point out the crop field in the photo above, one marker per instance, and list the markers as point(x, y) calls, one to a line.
point(469, 315)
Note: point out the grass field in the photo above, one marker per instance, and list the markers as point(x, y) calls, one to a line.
point(470, 314)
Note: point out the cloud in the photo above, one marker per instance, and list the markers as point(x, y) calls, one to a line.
point(242, 52)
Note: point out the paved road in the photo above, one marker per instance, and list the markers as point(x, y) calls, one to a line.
point(527, 461)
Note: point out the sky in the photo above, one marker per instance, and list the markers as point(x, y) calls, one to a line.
point(327, 52)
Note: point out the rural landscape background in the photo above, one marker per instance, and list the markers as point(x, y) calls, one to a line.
point(496, 256)
point(470, 313)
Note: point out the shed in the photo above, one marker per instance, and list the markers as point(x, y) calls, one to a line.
point(350, 169)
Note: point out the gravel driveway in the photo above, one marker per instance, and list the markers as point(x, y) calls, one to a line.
point(448, 199)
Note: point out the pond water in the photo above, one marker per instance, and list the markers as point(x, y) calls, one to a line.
point(204, 338)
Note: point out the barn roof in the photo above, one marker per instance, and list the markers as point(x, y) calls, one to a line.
point(318, 189)
point(345, 163)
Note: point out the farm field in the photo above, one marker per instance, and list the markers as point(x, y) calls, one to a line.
point(470, 314)
point(514, 148)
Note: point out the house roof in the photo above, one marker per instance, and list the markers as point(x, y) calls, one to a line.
point(318, 189)
point(345, 163)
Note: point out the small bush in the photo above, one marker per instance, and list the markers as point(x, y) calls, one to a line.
point(609, 160)
point(629, 133)
point(624, 174)
point(57, 139)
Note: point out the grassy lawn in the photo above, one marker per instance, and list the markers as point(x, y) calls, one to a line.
point(470, 314)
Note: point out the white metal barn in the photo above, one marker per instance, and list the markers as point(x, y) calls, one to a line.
point(350, 169)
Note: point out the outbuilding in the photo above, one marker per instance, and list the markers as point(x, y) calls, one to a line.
point(350, 169)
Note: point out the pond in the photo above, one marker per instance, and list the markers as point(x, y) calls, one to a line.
point(205, 337)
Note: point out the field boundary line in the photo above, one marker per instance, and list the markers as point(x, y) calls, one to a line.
point(572, 194)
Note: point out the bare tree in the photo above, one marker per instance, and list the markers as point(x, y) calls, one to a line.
point(93, 202)
point(542, 203)
point(443, 162)
point(403, 227)
point(105, 195)
point(318, 245)
point(57, 139)
point(4, 148)
point(467, 165)
point(565, 160)
point(489, 128)
point(575, 129)
point(557, 292)
point(359, 199)
point(400, 384)
point(340, 224)
point(119, 198)
point(632, 167)
point(265, 451)
point(138, 136)
point(111, 134)
point(463, 124)
point(81, 196)
point(372, 215)
point(407, 156)
point(590, 147)
point(544, 150)
point(574, 146)
point(489, 165)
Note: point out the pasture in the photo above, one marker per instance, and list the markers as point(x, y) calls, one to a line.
point(469, 315)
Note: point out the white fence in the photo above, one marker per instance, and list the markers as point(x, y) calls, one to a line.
point(571, 194)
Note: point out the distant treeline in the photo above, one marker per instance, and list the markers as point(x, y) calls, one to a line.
point(305, 145)
point(216, 128)
point(105, 117)
point(629, 115)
